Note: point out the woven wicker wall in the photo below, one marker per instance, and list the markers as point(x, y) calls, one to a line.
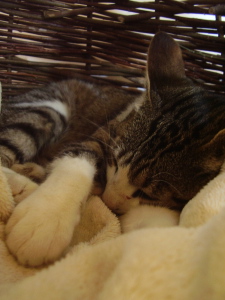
point(43, 40)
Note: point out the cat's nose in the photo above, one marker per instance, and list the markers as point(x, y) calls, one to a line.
point(119, 203)
point(110, 199)
point(114, 200)
point(126, 197)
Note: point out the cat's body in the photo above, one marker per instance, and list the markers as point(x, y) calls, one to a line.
point(57, 115)
point(159, 148)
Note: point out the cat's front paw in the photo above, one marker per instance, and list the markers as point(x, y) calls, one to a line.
point(37, 234)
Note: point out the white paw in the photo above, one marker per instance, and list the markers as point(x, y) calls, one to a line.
point(41, 226)
point(37, 232)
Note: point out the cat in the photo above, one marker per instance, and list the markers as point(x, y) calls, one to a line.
point(158, 148)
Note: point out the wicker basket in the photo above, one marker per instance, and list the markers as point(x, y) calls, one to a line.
point(45, 40)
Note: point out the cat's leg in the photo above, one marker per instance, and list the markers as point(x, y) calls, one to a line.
point(25, 127)
point(31, 170)
point(41, 227)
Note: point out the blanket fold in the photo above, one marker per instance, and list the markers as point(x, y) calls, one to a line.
point(185, 261)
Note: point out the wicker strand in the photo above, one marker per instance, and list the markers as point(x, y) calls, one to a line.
point(44, 40)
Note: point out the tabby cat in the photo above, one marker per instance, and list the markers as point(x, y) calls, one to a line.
point(159, 148)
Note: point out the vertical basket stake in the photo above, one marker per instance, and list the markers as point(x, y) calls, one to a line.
point(89, 39)
point(0, 97)
point(9, 38)
point(221, 34)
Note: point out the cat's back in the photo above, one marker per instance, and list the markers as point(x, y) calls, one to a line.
point(93, 105)
point(75, 108)
point(84, 102)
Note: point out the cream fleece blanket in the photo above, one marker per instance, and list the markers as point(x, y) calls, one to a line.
point(186, 261)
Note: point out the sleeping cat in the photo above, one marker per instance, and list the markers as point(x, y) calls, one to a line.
point(159, 148)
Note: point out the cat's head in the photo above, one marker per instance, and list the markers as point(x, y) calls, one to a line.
point(173, 144)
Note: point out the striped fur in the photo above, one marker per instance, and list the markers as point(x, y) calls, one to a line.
point(160, 148)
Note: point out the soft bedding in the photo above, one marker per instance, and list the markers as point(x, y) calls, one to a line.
point(183, 261)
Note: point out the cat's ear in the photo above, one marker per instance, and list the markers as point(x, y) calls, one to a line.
point(165, 63)
point(214, 150)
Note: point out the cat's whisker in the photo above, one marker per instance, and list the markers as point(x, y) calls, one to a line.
point(97, 126)
point(101, 141)
point(160, 173)
point(91, 122)
point(107, 125)
point(106, 116)
point(169, 183)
